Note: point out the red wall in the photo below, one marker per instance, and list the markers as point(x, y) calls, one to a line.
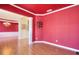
point(37, 32)
point(12, 28)
point(62, 26)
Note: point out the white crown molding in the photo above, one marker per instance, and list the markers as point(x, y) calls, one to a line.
point(23, 9)
point(19, 16)
point(44, 13)
point(60, 9)
point(12, 12)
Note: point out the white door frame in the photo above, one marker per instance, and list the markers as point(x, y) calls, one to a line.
point(30, 19)
point(30, 29)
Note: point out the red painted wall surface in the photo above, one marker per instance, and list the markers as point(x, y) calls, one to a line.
point(12, 28)
point(38, 31)
point(62, 26)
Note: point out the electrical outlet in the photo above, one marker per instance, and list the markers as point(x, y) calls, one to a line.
point(56, 40)
point(36, 38)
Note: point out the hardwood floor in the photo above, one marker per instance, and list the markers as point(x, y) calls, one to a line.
point(23, 47)
point(9, 46)
point(44, 49)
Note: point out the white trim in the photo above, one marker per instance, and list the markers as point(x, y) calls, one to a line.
point(53, 44)
point(45, 13)
point(8, 34)
point(60, 9)
point(30, 33)
point(30, 29)
point(22, 9)
point(12, 21)
point(20, 15)
point(30, 19)
point(19, 31)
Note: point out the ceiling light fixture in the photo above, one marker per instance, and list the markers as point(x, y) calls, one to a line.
point(6, 24)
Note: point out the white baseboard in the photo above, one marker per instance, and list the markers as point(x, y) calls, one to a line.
point(64, 47)
point(8, 34)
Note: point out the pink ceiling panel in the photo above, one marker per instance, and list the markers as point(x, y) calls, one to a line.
point(41, 8)
point(14, 9)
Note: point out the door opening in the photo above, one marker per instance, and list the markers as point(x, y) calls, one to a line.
point(25, 35)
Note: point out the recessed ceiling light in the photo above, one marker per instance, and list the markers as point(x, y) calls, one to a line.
point(49, 10)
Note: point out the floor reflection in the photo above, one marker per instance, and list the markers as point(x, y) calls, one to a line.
point(11, 46)
point(8, 46)
point(14, 46)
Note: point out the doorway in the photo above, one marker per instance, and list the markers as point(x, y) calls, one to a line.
point(15, 33)
point(25, 35)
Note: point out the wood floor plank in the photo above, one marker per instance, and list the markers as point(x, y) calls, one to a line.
point(9, 46)
point(45, 49)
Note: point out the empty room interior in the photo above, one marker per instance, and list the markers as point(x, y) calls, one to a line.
point(39, 29)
